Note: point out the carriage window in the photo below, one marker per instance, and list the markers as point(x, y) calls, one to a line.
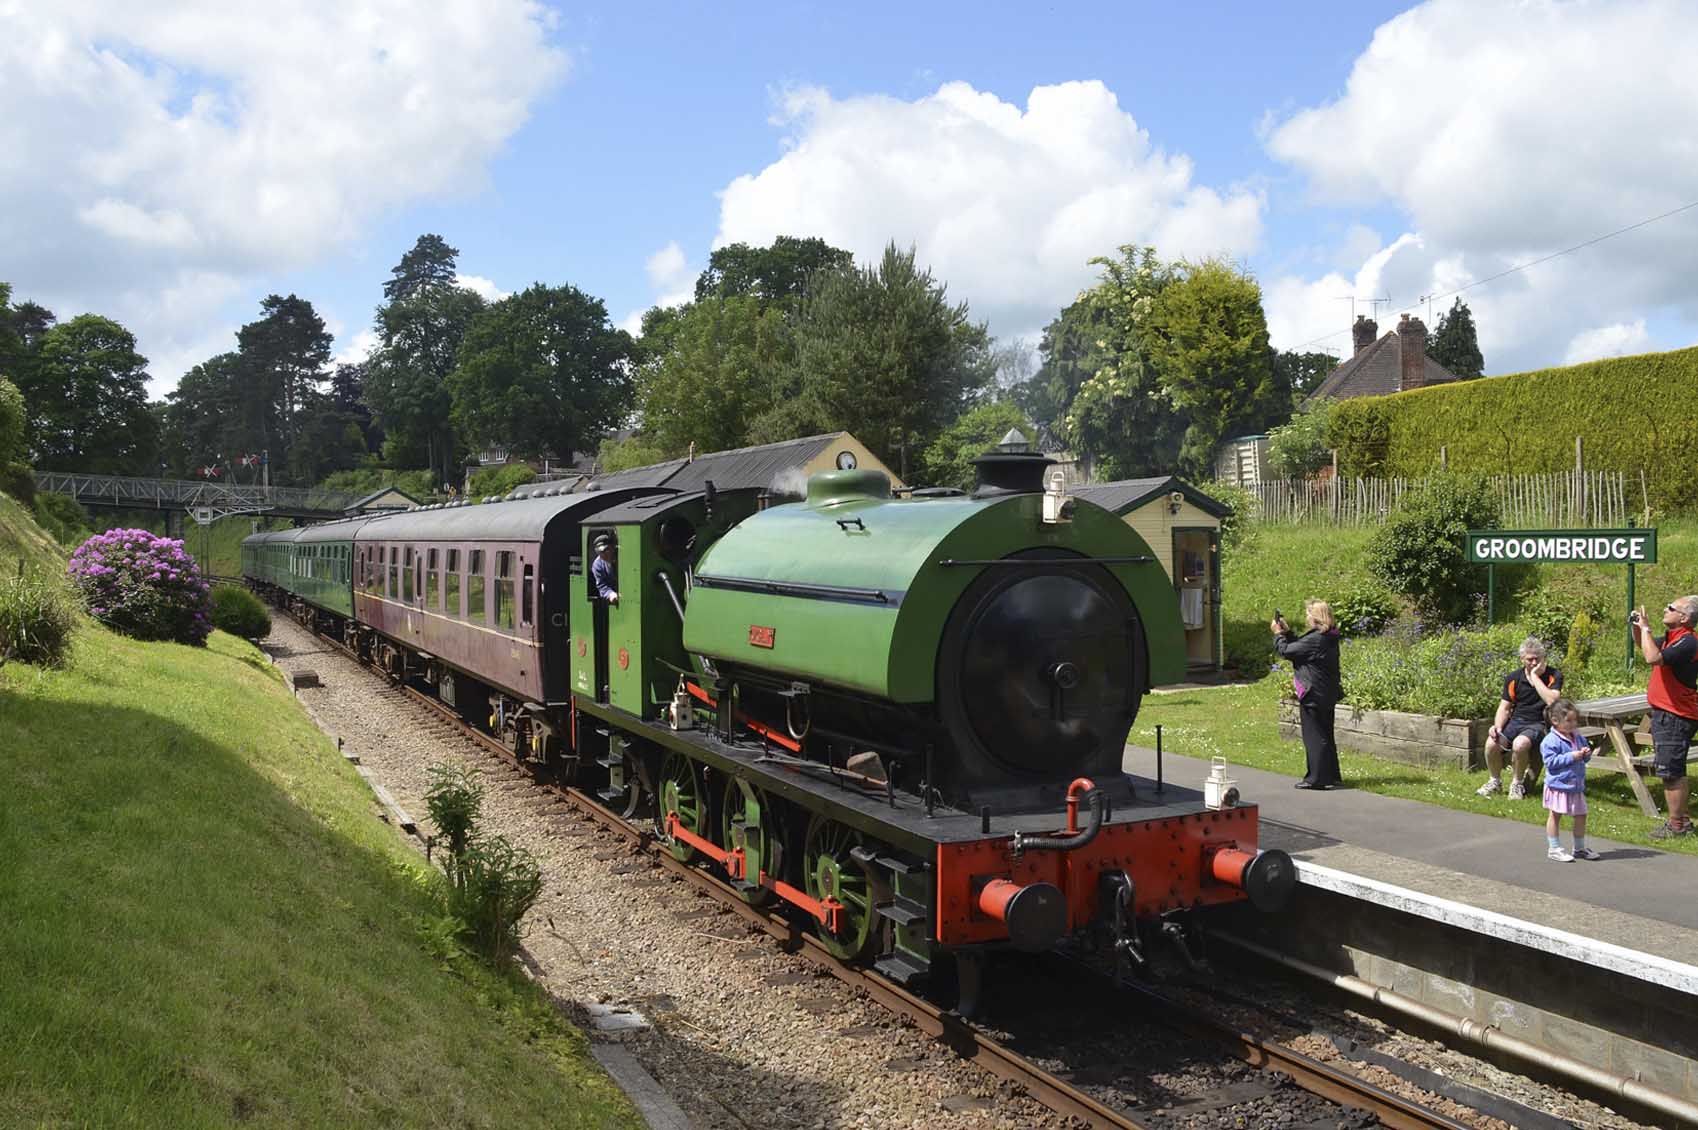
point(504, 591)
point(452, 581)
point(433, 582)
point(527, 614)
point(475, 611)
point(407, 576)
point(394, 571)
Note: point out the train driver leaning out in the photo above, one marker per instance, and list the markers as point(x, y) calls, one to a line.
point(603, 572)
point(1520, 723)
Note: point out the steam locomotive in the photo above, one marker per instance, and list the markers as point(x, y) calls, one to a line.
point(901, 714)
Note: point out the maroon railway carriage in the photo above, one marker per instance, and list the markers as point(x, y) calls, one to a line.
point(473, 600)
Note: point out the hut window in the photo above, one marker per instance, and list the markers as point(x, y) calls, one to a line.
point(527, 612)
point(452, 583)
point(475, 611)
point(504, 590)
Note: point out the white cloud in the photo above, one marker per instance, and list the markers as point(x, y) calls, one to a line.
point(484, 288)
point(1005, 204)
point(358, 349)
point(1619, 340)
point(166, 155)
point(667, 268)
point(1508, 131)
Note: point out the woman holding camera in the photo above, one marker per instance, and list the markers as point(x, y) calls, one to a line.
point(1314, 658)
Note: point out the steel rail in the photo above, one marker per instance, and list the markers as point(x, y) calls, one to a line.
point(946, 1027)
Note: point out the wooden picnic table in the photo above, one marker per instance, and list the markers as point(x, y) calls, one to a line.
point(1611, 713)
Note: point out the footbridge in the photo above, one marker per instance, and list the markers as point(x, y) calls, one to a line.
point(204, 501)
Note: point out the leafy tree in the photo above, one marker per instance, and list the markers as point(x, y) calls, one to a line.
point(13, 416)
point(1208, 339)
point(283, 357)
point(882, 353)
point(948, 462)
point(210, 414)
point(1120, 417)
point(327, 439)
point(347, 393)
point(542, 371)
point(1454, 343)
point(1302, 372)
point(709, 372)
point(779, 273)
point(1298, 449)
point(429, 265)
point(87, 399)
point(624, 454)
point(406, 377)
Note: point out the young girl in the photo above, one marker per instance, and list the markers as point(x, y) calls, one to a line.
point(1566, 754)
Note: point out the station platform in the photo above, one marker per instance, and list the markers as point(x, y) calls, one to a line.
point(1594, 961)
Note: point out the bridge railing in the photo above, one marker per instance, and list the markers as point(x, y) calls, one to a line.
point(123, 490)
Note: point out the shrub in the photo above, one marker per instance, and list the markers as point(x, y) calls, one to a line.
point(1236, 529)
point(453, 801)
point(1298, 449)
point(500, 480)
point(63, 517)
point(37, 619)
point(493, 886)
point(18, 480)
point(239, 612)
point(143, 586)
point(1419, 551)
point(1365, 609)
point(13, 417)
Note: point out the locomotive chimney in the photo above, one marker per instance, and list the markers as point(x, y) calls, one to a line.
point(1010, 472)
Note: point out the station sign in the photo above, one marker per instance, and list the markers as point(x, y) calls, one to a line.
point(1575, 547)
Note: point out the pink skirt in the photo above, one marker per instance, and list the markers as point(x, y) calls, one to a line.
point(1568, 802)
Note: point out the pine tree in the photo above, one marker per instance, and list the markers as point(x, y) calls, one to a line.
point(1454, 344)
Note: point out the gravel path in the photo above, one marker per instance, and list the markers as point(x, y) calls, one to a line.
point(744, 1035)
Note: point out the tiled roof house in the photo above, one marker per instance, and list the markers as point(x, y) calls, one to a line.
point(1396, 362)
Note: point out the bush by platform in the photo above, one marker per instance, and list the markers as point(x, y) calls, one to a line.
point(240, 612)
point(143, 585)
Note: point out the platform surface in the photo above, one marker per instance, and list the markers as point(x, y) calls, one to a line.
point(1635, 897)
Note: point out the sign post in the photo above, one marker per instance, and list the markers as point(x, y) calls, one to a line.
point(1629, 547)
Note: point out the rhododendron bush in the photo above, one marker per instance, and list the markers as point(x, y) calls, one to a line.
point(143, 585)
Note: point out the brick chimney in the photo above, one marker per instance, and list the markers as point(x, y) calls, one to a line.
point(1411, 353)
point(1365, 332)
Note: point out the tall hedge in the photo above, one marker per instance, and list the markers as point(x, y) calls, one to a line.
point(1636, 413)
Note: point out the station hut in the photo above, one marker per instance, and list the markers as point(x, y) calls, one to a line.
point(1182, 526)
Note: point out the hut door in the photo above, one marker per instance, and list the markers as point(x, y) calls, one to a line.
point(1196, 580)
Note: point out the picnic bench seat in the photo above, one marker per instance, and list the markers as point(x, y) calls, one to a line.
point(1609, 717)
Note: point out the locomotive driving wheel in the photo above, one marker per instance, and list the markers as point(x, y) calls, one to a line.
point(831, 873)
point(749, 820)
point(681, 792)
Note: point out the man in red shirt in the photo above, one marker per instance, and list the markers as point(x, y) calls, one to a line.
point(1673, 695)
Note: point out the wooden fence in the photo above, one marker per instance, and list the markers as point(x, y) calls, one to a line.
point(1560, 500)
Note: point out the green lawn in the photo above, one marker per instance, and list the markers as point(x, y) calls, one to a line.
point(204, 924)
point(22, 540)
point(1241, 723)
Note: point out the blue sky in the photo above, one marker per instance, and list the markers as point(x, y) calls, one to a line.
point(185, 162)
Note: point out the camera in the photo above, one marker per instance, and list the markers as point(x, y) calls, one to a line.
point(1635, 618)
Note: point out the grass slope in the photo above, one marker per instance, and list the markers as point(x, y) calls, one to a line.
point(22, 540)
point(204, 924)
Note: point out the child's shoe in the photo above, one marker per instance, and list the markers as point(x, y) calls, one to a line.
point(1558, 855)
point(1586, 853)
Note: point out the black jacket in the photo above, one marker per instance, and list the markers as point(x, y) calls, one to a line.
point(1314, 654)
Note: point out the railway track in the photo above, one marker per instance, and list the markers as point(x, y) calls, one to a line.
point(959, 1035)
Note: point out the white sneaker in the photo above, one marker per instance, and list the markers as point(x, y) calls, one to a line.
point(1558, 855)
point(1517, 789)
point(1586, 853)
point(1492, 787)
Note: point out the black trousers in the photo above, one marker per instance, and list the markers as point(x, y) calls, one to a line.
point(1318, 744)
